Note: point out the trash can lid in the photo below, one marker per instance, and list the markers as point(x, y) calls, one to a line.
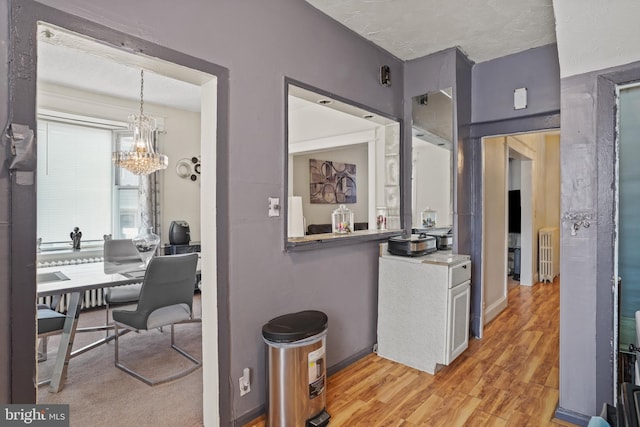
point(295, 326)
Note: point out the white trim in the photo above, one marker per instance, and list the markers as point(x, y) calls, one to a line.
point(84, 100)
point(77, 119)
point(208, 209)
point(90, 121)
point(372, 161)
point(331, 142)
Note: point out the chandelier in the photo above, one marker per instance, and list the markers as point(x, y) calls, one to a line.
point(142, 159)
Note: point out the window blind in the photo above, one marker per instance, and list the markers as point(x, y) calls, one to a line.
point(73, 181)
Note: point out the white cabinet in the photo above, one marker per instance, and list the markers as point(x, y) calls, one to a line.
point(423, 309)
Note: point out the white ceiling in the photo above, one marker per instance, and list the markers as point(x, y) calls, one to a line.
point(483, 29)
point(407, 29)
point(68, 60)
point(313, 116)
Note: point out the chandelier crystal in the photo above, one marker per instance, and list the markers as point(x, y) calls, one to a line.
point(142, 159)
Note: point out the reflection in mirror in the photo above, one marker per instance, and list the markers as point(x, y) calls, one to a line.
point(432, 171)
point(340, 156)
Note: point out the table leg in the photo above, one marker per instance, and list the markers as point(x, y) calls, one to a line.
point(66, 343)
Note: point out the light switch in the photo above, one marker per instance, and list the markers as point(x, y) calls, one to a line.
point(274, 206)
point(520, 98)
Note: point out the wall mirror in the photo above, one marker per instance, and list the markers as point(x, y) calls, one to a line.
point(339, 155)
point(432, 160)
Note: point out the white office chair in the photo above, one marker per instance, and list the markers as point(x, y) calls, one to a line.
point(166, 299)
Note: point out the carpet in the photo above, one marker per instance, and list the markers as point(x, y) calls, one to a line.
point(99, 394)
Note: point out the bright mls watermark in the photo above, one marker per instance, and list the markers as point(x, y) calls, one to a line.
point(34, 415)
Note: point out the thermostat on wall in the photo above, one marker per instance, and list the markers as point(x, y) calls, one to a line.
point(520, 98)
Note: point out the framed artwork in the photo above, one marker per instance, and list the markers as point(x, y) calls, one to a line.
point(332, 182)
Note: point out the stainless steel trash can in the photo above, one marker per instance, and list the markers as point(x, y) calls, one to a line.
point(297, 369)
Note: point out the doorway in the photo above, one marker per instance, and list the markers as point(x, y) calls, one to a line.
point(535, 175)
point(209, 133)
point(626, 265)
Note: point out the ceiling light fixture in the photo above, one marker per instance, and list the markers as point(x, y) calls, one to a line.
point(142, 159)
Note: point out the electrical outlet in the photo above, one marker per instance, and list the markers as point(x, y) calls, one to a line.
point(245, 382)
point(244, 387)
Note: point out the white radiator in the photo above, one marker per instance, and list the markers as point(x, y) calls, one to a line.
point(549, 253)
point(92, 298)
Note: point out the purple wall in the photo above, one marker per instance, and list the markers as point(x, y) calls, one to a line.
point(261, 43)
point(587, 155)
point(494, 82)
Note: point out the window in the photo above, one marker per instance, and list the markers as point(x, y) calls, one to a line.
point(77, 185)
point(125, 203)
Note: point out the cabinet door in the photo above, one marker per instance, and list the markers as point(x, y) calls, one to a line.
point(457, 321)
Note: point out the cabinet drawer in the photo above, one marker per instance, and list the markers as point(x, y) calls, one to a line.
point(460, 273)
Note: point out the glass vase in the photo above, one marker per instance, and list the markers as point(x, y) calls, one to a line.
point(381, 218)
point(429, 218)
point(146, 244)
point(342, 220)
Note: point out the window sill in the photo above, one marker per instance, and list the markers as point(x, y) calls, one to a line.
point(67, 255)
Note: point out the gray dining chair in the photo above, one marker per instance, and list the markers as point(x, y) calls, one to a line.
point(166, 299)
point(121, 256)
point(50, 322)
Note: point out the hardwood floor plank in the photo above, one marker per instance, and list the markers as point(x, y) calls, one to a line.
point(431, 405)
point(400, 386)
point(483, 419)
point(553, 379)
point(508, 378)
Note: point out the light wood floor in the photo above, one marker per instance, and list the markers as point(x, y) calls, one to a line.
point(508, 378)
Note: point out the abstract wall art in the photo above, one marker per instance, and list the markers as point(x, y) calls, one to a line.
point(332, 182)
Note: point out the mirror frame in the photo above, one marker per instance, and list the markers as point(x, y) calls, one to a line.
point(441, 142)
point(333, 240)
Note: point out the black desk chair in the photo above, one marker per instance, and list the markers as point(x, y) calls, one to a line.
point(166, 299)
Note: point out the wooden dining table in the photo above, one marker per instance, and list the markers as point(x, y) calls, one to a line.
point(73, 280)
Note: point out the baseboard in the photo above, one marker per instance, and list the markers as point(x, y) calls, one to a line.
point(494, 309)
point(349, 360)
point(572, 417)
point(261, 410)
point(249, 416)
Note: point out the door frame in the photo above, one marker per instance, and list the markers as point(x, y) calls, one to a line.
point(527, 200)
point(616, 241)
point(495, 307)
point(528, 124)
point(24, 19)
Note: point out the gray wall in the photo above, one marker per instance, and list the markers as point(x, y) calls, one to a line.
point(263, 281)
point(494, 82)
point(261, 44)
point(5, 301)
point(587, 180)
